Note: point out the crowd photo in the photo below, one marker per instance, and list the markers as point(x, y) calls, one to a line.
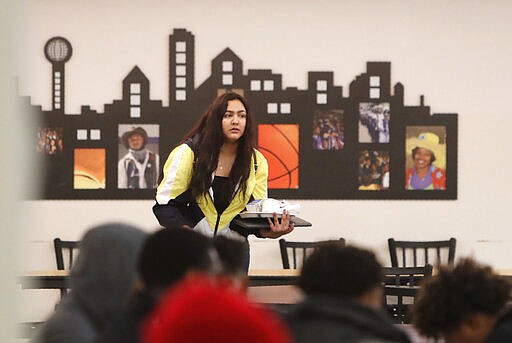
point(373, 174)
point(328, 130)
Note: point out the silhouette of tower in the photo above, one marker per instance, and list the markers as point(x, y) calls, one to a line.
point(136, 91)
point(227, 72)
point(181, 66)
point(58, 51)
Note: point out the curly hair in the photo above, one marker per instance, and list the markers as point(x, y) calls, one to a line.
point(333, 269)
point(448, 298)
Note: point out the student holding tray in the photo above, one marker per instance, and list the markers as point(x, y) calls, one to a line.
point(209, 179)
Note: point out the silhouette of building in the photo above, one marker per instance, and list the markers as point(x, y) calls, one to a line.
point(299, 168)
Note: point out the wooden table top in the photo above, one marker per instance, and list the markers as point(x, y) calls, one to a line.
point(252, 272)
point(258, 277)
point(274, 272)
point(47, 279)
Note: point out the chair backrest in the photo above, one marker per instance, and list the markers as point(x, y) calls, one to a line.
point(299, 251)
point(400, 287)
point(406, 276)
point(419, 253)
point(68, 249)
point(65, 248)
point(398, 301)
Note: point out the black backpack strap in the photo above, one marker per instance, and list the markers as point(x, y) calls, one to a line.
point(255, 161)
point(192, 142)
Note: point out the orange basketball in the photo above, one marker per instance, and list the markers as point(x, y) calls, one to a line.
point(279, 144)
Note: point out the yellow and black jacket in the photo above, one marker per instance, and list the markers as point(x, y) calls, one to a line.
point(175, 206)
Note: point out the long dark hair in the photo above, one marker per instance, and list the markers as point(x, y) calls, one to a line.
point(209, 136)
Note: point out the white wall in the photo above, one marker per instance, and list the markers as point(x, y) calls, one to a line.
point(14, 173)
point(456, 53)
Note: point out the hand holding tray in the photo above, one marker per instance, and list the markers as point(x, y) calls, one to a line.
point(258, 220)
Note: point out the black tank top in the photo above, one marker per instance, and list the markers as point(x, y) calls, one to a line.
point(221, 192)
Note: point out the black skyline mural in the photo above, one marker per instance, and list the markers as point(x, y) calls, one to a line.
point(319, 144)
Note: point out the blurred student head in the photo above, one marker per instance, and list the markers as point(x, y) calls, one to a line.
point(232, 255)
point(198, 310)
point(168, 255)
point(101, 280)
point(462, 303)
point(104, 271)
point(346, 271)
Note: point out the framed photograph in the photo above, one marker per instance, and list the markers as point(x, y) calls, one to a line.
point(328, 130)
point(280, 146)
point(139, 159)
point(89, 169)
point(49, 140)
point(374, 121)
point(425, 156)
point(373, 170)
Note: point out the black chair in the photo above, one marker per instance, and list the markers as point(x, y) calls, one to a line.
point(68, 249)
point(27, 330)
point(421, 252)
point(406, 276)
point(400, 286)
point(299, 251)
point(398, 301)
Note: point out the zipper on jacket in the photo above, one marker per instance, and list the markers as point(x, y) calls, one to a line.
point(216, 225)
point(218, 218)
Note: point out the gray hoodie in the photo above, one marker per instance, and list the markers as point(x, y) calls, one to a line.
point(100, 282)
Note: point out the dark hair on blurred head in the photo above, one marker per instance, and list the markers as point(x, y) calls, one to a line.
point(197, 311)
point(232, 254)
point(333, 269)
point(209, 130)
point(448, 298)
point(168, 254)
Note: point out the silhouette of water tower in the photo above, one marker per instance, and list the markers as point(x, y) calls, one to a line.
point(58, 51)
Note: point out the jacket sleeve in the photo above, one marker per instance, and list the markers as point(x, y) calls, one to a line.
point(261, 186)
point(172, 198)
point(172, 215)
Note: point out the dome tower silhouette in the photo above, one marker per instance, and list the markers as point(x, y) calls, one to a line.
point(58, 51)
